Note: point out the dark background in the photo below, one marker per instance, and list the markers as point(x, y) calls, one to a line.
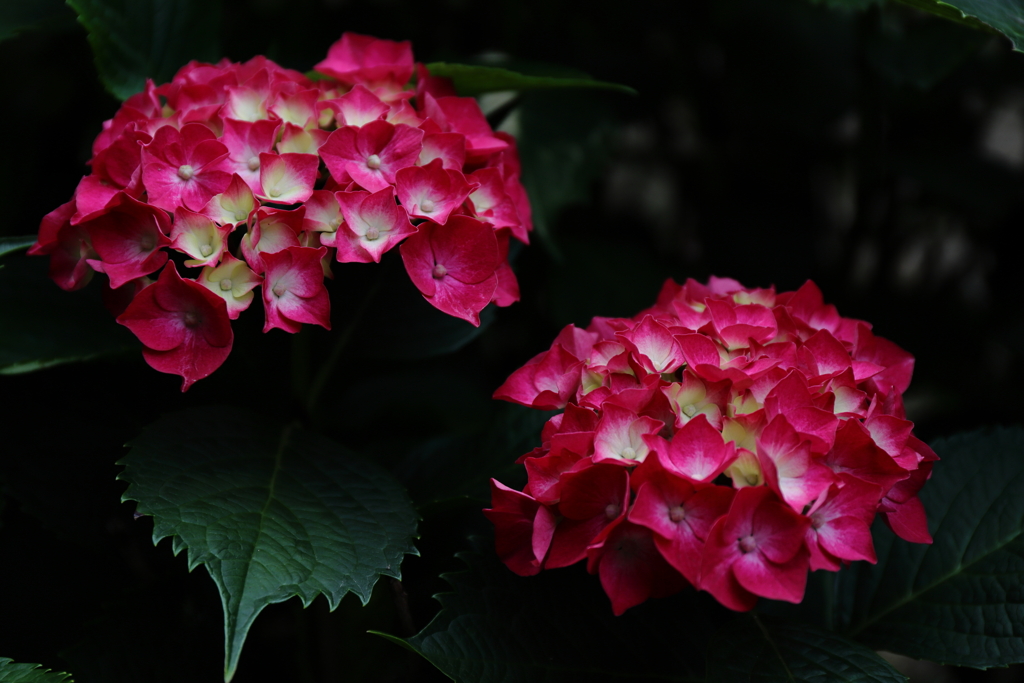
point(877, 151)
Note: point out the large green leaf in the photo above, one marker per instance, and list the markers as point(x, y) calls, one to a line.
point(271, 511)
point(558, 626)
point(11, 672)
point(960, 600)
point(991, 16)
point(473, 79)
point(758, 649)
point(138, 39)
point(42, 325)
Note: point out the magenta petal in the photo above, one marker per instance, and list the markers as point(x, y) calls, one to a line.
point(571, 539)
point(654, 346)
point(454, 265)
point(374, 224)
point(373, 153)
point(418, 258)
point(128, 239)
point(546, 382)
point(849, 539)
point(464, 301)
point(431, 191)
point(909, 521)
point(184, 327)
point(716, 575)
point(762, 577)
point(293, 289)
point(512, 514)
point(355, 58)
point(287, 178)
point(699, 350)
point(698, 452)
point(466, 248)
point(631, 568)
point(681, 517)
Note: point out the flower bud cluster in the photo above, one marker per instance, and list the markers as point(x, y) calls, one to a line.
point(727, 438)
point(259, 176)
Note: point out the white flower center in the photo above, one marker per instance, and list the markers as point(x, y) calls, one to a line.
point(225, 284)
point(427, 206)
point(372, 233)
point(186, 172)
point(373, 162)
point(439, 271)
point(205, 249)
point(253, 163)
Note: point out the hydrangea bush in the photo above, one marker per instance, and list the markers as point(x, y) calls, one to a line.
point(728, 438)
point(262, 176)
point(741, 472)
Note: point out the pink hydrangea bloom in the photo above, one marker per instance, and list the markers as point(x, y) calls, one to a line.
point(728, 438)
point(246, 171)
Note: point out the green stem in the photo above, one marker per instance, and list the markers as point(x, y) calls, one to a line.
point(316, 387)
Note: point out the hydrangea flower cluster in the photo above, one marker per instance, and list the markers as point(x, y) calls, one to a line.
point(728, 438)
point(259, 176)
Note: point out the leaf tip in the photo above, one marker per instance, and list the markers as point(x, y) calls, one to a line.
point(394, 639)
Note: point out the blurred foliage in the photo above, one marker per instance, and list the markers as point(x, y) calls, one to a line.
point(873, 148)
point(133, 40)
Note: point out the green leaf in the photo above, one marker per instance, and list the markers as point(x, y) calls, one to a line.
point(990, 16)
point(758, 649)
point(11, 244)
point(20, 16)
point(10, 672)
point(471, 80)
point(271, 511)
point(558, 626)
point(42, 325)
point(960, 600)
point(133, 40)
